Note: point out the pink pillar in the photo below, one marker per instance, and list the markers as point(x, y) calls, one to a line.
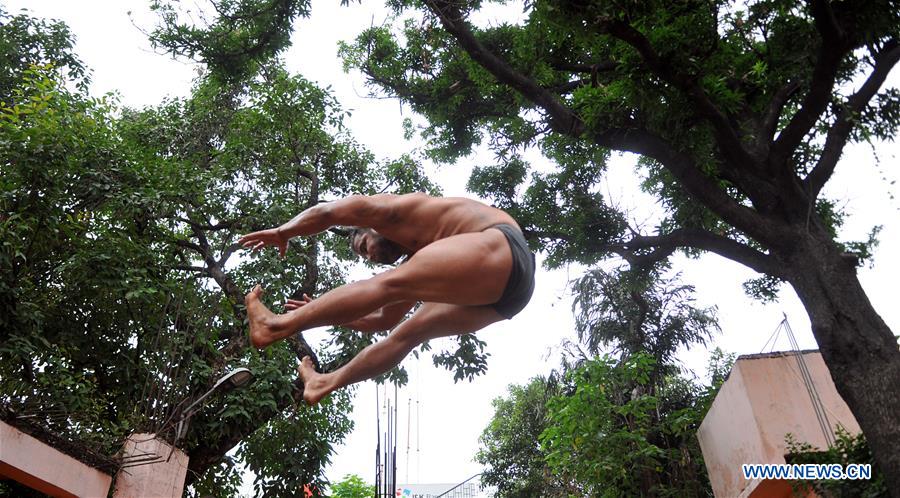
point(148, 470)
point(46, 469)
point(763, 400)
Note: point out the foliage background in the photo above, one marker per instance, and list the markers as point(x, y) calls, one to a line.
point(745, 326)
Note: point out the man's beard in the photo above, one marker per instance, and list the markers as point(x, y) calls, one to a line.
point(389, 252)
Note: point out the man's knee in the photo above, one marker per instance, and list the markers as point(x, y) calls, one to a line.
point(404, 339)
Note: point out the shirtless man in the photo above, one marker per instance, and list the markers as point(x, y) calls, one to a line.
point(468, 264)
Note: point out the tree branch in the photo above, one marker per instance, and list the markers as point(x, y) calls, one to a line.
point(227, 253)
point(569, 87)
point(188, 245)
point(695, 182)
point(309, 175)
point(738, 165)
point(846, 118)
point(222, 225)
point(225, 283)
point(726, 135)
point(661, 247)
point(664, 245)
point(834, 47)
point(826, 22)
point(769, 122)
point(197, 269)
point(584, 68)
point(562, 119)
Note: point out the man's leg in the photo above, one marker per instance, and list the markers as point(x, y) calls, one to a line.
point(468, 269)
point(432, 320)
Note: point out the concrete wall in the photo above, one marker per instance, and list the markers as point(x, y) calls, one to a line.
point(155, 470)
point(762, 401)
point(41, 467)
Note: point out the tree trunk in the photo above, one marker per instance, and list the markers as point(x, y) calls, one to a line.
point(858, 347)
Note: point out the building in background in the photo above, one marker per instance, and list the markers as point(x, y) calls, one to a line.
point(468, 489)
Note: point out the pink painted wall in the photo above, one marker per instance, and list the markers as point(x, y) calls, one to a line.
point(41, 467)
point(762, 401)
point(158, 478)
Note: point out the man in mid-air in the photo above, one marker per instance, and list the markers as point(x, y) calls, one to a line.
point(468, 264)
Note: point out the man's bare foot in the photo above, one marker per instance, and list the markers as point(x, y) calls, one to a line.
point(314, 384)
point(263, 329)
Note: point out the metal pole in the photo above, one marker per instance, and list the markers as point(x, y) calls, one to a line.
point(394, 464)
point(418, 445)
point(408, 423)
point(387, 451)
point(378, 443)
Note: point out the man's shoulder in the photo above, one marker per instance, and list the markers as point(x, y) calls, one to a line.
point(418, 196)
point(422, 197)
point(402, 198)
point(413, 206)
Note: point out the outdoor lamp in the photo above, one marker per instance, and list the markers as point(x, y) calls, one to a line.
point(239, 377)
point(234, 379)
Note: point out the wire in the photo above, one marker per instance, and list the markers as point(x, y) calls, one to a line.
point(818, 406)
point(773, 338)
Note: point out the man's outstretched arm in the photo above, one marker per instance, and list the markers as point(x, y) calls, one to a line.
point(356, 210)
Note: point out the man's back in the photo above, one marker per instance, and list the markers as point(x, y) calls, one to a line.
point(416, 220)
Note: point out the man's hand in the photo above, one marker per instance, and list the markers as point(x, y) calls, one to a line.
point(271, 237)
point(292, 304)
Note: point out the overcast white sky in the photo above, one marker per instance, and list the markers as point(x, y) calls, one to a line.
point(444, 435)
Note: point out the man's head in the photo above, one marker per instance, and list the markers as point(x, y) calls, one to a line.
point(373, 246)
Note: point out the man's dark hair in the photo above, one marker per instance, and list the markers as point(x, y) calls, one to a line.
point(352, 232)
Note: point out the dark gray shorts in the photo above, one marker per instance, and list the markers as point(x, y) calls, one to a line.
point(520, 285)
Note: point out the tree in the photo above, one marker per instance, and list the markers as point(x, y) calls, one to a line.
point(510, 444)
point(120, 293)
point(352, 486)
point(605, 430)
point(739, 112)
point(611, 426)
point(639, 311)
point(616, 434)
point(26, 41)
point(112, 261)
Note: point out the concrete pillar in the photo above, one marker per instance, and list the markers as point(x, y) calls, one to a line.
point(149, 470)
point(763, 400)
point(46, 469)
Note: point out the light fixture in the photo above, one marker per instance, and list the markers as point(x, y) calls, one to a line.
point(237, 378)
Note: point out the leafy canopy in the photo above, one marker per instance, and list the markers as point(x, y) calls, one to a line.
point(352, 486)
point(611, 426)
point(699, 90)
point(739, 113)
point(510, 444)
point(121, 293)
